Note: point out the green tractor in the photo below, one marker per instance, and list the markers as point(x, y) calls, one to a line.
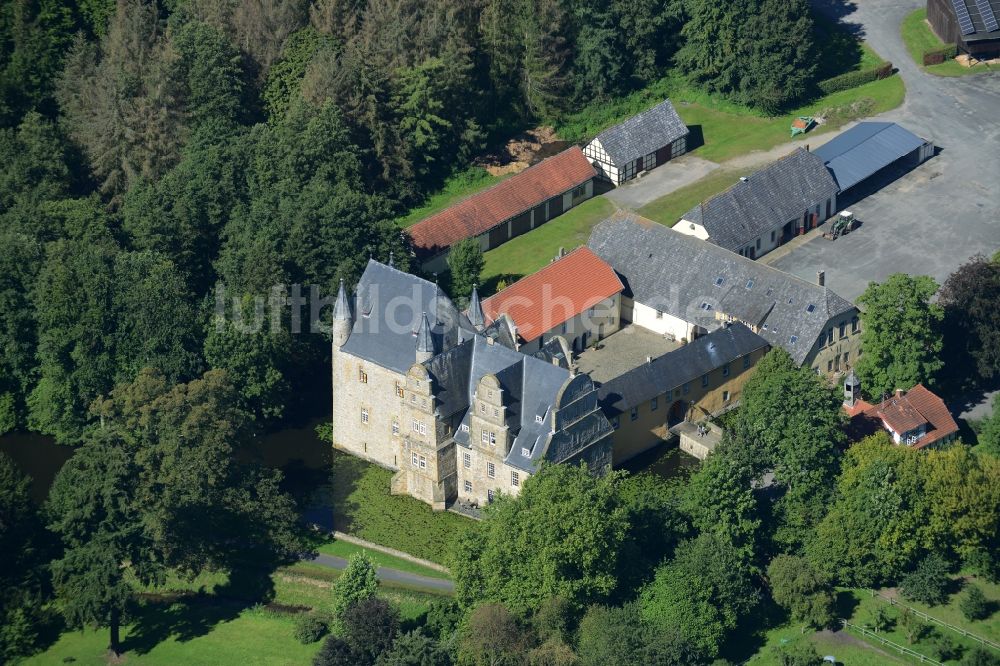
point(842, 226)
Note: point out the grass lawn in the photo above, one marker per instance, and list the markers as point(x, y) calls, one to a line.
point(918, 37)
point(840, 645)
point(457, 187)
point(362, 506)
point(346, 550)
point(528, 253)
point(950, 613)
point(667, 210)
point(212, 628)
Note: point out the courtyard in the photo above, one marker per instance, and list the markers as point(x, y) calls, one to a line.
point(620, 352)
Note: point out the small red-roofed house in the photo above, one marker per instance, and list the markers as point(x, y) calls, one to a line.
point(510, 208)
point(917, 418)
point(577, 297)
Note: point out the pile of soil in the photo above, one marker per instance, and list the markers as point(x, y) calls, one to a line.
point(522, 151)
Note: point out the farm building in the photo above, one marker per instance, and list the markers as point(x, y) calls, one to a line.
point(509, 208)
point(973, 25)
point(683, 287)
point(642, 142)
point(788, 197)
point(576, 297)
point(867, 148)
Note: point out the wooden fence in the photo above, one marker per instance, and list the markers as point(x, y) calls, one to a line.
point(902, 649)
point(930, 618)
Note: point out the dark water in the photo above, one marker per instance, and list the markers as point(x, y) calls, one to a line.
point(304, 459)
point(39, 457)
point(664, 460)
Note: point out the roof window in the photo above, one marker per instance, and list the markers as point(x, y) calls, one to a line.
point(811, 308)
point(792, 340)
point(706, 306)
point(750, 283)
point(719, 280)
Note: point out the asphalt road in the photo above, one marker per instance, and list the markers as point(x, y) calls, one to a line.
point(390, 575)
point(938, 215)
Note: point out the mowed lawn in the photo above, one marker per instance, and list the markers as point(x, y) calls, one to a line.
point(918, 37)
point(214, 628)
point(669, 209)
point(529, 252)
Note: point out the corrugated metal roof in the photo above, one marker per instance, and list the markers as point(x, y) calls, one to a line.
point(864, 149)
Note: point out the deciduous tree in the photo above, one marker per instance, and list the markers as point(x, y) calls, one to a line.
point(900, 334)
point(803, 591)
point(358, 583)
point(971, 300)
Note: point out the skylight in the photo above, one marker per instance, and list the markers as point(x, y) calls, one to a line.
point(793, 339)
point(706, 306)
point(811, 308)
point(719, 280)
point(750, 284)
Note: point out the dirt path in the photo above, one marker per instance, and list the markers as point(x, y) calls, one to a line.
point(844, 638)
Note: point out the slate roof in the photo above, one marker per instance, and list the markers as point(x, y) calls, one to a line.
point(904, 413)
point(388, 308)
point(530, 385)
point(770, 198)
point(867, 147)
point(643, 133)
point(508, 198)
point(562, 290)
point(678, 367)
point(680, 275)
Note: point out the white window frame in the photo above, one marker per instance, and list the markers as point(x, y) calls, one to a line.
point(467, 460)
point(423, 428)
point(364, 415)
point(491, 470)
point(414, 459)
point(515, 479)
point(468, 486)
point(423, 462)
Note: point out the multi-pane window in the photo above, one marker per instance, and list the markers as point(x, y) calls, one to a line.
point(491, 470)
point(829, 335)
point(362, 376)
point(423, 462)
point(399, 390)
point(364, 415)
point(515, 479)
point(414, 460)
point(468, 486)
point(467, 460)
point(854, 325)
point(415, 425)
point(395, 427)
point(725, 396)
point(843, 329)
point(422, 428)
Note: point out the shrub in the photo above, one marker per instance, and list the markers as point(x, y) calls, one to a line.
point(797, 654)
point(928, 583)
point(974, 605)
point(980, 657)
point(939, 55)
point(358, 583)
point(850, 80)
point(984, 565)
point(310, 627)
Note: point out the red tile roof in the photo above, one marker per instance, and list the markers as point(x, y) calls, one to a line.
point(508, 198)
point(905, 412)
point(557, 293)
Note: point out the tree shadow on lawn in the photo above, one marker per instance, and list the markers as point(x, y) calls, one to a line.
point(846, 604)
point(750, 636)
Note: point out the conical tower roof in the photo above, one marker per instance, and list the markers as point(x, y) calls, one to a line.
point(341, 309)
point(476, 316)
point(425, 341)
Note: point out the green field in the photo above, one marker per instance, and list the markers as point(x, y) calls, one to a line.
point(362, 506)
point(456, 188)
point(346, 550)
point(918, 37)
point(667, 210)
point(526, 254)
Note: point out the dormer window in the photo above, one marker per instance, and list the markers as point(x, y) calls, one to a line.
point(792, 340)
point(810, 308)
point(539, 418)
point(525, 452)
point(750, 284)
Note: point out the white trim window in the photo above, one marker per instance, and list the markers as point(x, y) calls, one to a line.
point(423, 428)
point(364, 415)
point(467, 460)
point(491, 470)
point(468, 486)
point(414, 459)
point(423, 462)
point(515, 479)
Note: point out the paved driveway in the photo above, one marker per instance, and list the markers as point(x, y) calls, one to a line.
point(661, 181)
point(938, 215)
point(387, 574)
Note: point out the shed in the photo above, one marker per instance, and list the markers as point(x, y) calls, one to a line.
point(646, 140)
point(973, 25)
point(867, 148)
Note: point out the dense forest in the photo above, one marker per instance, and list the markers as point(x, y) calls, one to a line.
point(152, 151)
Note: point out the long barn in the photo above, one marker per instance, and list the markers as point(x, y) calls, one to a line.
point(510, 208)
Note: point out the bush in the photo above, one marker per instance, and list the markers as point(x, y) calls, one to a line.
point(974, 605)
point(310, 627)
point(929, 582)
point(984, 565)
point(943, 648)
point(797, 654)
point(851, 80)
point(939, 55)
point(980, 657)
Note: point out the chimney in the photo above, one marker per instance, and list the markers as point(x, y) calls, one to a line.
point(821, 278)
point(649, 359)
point(899, 393)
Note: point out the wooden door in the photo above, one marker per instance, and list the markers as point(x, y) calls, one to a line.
point(663, 155)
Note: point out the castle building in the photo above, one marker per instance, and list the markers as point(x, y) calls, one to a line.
point(435, 395)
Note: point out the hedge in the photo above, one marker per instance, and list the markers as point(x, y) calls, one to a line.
point(855, 79)
point(938, 56)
